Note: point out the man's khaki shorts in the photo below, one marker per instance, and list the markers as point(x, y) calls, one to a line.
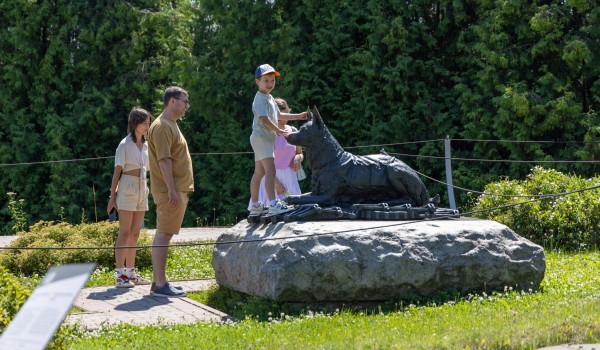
point(169, 220)
point(261, 148)
point(132, 194)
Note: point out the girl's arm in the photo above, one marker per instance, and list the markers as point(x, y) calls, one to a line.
point(113, 189)
point(298, 158)
point(290, 116)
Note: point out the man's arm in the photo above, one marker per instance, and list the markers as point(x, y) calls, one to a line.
point(166, 170)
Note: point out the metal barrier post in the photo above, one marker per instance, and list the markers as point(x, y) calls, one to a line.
point(449, 173)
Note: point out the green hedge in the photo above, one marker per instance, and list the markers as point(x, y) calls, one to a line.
point(65, 235)
point(381, 72)
point(12, 296)
point(561, 222)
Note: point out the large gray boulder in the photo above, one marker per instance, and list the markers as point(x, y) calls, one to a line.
point(375, 260)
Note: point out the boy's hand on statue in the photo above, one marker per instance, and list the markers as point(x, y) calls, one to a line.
point(303, 116)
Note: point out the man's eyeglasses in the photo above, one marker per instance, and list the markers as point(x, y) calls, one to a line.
point(186, 101)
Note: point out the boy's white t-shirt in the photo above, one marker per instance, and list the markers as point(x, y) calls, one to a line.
point(264, 105)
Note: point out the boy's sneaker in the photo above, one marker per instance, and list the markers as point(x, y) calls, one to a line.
point(139, 280)
point(124, 282)
point(258, 209)
point(168, 291)
point(278, 208)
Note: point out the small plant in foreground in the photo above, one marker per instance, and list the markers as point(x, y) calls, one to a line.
point(17, 213)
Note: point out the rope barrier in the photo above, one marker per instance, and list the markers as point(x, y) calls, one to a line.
point(55, 161)
point(532, 200)
point(502, 195)
point(358, 147)
point(496, 160)
point(527, 141)
point(532, 197)
point(208, 243)
point(395, 144)
point(194, 154)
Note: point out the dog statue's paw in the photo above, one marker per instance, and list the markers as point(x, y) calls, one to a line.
point(435, 200)
point(292, 199)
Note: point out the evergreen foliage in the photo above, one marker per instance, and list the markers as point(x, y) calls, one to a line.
point(380, 72)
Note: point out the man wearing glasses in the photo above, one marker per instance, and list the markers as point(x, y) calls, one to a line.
point(171, 180)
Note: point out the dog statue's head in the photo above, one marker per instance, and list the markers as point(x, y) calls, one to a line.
point(309, 133)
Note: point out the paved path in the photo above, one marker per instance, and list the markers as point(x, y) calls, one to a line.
point(6, 240)
point(107, 306)
point(193, 234)
point(111, 305)
point(188, 234)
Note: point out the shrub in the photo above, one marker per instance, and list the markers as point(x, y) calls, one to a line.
point(12, 297)
point(13, 294)
point(64, 235)
point(564, 221)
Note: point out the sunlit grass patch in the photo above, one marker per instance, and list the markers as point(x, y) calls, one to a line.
point(566, 309)
point(183, 263)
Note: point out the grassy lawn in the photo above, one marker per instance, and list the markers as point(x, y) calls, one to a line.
point(187, 262)
point(565, 310)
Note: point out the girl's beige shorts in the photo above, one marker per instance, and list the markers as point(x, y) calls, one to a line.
point(132, 194)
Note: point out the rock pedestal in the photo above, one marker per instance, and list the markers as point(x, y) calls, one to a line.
point(375, 260)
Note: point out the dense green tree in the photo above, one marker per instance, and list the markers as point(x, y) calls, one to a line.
point(406, 73)
point(389, 76)
point(71, 72)
point(532, 76)
point(232, 38)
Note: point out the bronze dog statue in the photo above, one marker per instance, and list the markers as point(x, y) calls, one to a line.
point(341, 178)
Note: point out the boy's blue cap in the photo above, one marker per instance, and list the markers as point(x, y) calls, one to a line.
point(265, 69)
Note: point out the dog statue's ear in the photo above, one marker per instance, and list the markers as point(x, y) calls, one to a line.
point(318, 118)
point(309, 117)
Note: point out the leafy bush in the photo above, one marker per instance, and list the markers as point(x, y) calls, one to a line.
point(13, 294)
point(12, 297)
point(64, 235)
point(564, 221)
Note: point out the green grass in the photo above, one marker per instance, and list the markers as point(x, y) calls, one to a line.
point(184, 263)
point(566, 309)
